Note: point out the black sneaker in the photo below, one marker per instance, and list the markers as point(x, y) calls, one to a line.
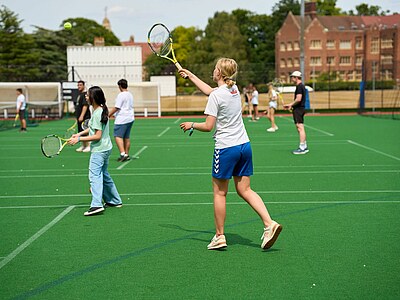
point(94, 211)
point(112, 205)
point(125, 158)
point(120, 158)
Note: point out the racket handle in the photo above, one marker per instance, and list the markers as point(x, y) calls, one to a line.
point(178, 66)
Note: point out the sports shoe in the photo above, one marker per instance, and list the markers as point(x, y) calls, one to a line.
point(271, 129)
point(112, 205)
point(121, 157)
point(270, 235)
point(125, 158)
point(299, 151)
point(80, 149)
point(217, 242)
point(86, 149)
point(276, 128)
point(94, 211)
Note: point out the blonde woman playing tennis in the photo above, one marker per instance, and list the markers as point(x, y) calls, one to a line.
point(232, 154)
point(273, 105)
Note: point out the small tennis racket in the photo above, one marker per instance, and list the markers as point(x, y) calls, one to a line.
point(52, 145)
point(85, 124)
point(15, 120)
point(160, 42)
point(70, 131)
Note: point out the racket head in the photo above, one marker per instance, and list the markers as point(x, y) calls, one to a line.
point(160, 40)
point(51, 145)
point(85, 124)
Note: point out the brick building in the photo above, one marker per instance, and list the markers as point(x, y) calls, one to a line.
point(340, 46)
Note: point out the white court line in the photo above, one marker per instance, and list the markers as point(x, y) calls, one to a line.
point(29, 241)
point(199, 193)
point(228, 203)
point(313, 128)
point(177, 121)
point(374, 150)
point(165, 130)
point(200, 174)
point(136, 155)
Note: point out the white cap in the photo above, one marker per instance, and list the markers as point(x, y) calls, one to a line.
point(296, 74)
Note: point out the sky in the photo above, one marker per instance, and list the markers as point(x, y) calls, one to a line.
point(135, 17)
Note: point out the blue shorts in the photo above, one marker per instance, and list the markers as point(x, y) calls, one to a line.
point(233, 161)
point(123, 130)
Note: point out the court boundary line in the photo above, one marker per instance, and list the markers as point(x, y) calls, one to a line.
point(34, 237)
point(204, 193)
point(163, 132)
point(373, 150)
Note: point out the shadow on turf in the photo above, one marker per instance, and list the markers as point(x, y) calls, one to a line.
point(232, 238)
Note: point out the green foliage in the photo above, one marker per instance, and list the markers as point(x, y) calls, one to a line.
point(328, 8)
point(364, 9)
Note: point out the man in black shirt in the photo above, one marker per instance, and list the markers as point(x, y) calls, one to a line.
point(82, 113)
point(298, 107)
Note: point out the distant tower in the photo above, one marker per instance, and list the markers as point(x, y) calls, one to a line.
point(106, 21)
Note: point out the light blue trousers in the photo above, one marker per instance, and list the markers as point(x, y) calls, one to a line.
point(101, 183)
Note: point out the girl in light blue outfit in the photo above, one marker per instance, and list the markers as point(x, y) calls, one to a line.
point(101, 184)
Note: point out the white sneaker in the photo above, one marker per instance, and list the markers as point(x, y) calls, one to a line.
point(80, 149)
point(271, 129)
point(217, 242)
point(270, 235)
point(86, 149)
point(276, 128)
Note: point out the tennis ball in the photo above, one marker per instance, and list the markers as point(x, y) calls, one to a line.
point(67, 25)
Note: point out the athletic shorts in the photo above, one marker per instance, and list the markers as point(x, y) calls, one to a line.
point(21, 114)
point(232, 161)
point(298, 115)
point(123, 130)
point(273, 104)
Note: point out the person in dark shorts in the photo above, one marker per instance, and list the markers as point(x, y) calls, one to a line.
point(298, 107)
point(21, 106)
point(82, 113)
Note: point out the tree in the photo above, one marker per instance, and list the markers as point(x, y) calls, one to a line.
point(17, 60)
point(328, 8)
point(365, 10)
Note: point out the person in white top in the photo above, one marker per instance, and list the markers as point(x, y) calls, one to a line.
point(232, 153)
point(124, 118)
point(254, 102)
point(21, 105)
point(273, 105)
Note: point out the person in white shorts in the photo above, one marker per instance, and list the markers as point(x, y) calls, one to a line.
point(273, 105)
point(254, 102)
point(232, 154)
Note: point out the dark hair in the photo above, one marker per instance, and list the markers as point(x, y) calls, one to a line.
point(19, 90)
point(81, 81)
point(96, 94)
point(123, 83)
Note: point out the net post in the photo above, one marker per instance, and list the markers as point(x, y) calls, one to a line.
point(5, 113)
point(145, 112)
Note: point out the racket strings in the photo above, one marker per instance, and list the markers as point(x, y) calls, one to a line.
point(51, 145)
point(159, 40)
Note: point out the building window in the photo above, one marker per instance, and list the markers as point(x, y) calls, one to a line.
point(290, 62)
point(296, 62)
point(359, 60)
point(283, 47)
point(359, 44)
point(358, 75)
point(330, 44)
point(387, 59)
point(342, 75)
point(374, 45)
point(388, 75)
point(283, 63)
point(296, 46)
point(315, 61)
point(345, 44)
point(289, 46)
point(330, 60)
point(315, 44)
point(387, 43)
point(345, 60)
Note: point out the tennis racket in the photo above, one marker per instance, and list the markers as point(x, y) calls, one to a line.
point(70, 131)
point(52, 145)
point(160, 42)
point(85, 124)
point(15, 120)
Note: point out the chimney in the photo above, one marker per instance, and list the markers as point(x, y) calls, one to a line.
point(310, 9)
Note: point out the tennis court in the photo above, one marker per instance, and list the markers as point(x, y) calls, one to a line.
point(339, 206)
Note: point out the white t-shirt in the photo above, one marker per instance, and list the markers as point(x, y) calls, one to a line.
point(125, 114)
point(21, 99)
point(254, 98)
point(226, 105)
